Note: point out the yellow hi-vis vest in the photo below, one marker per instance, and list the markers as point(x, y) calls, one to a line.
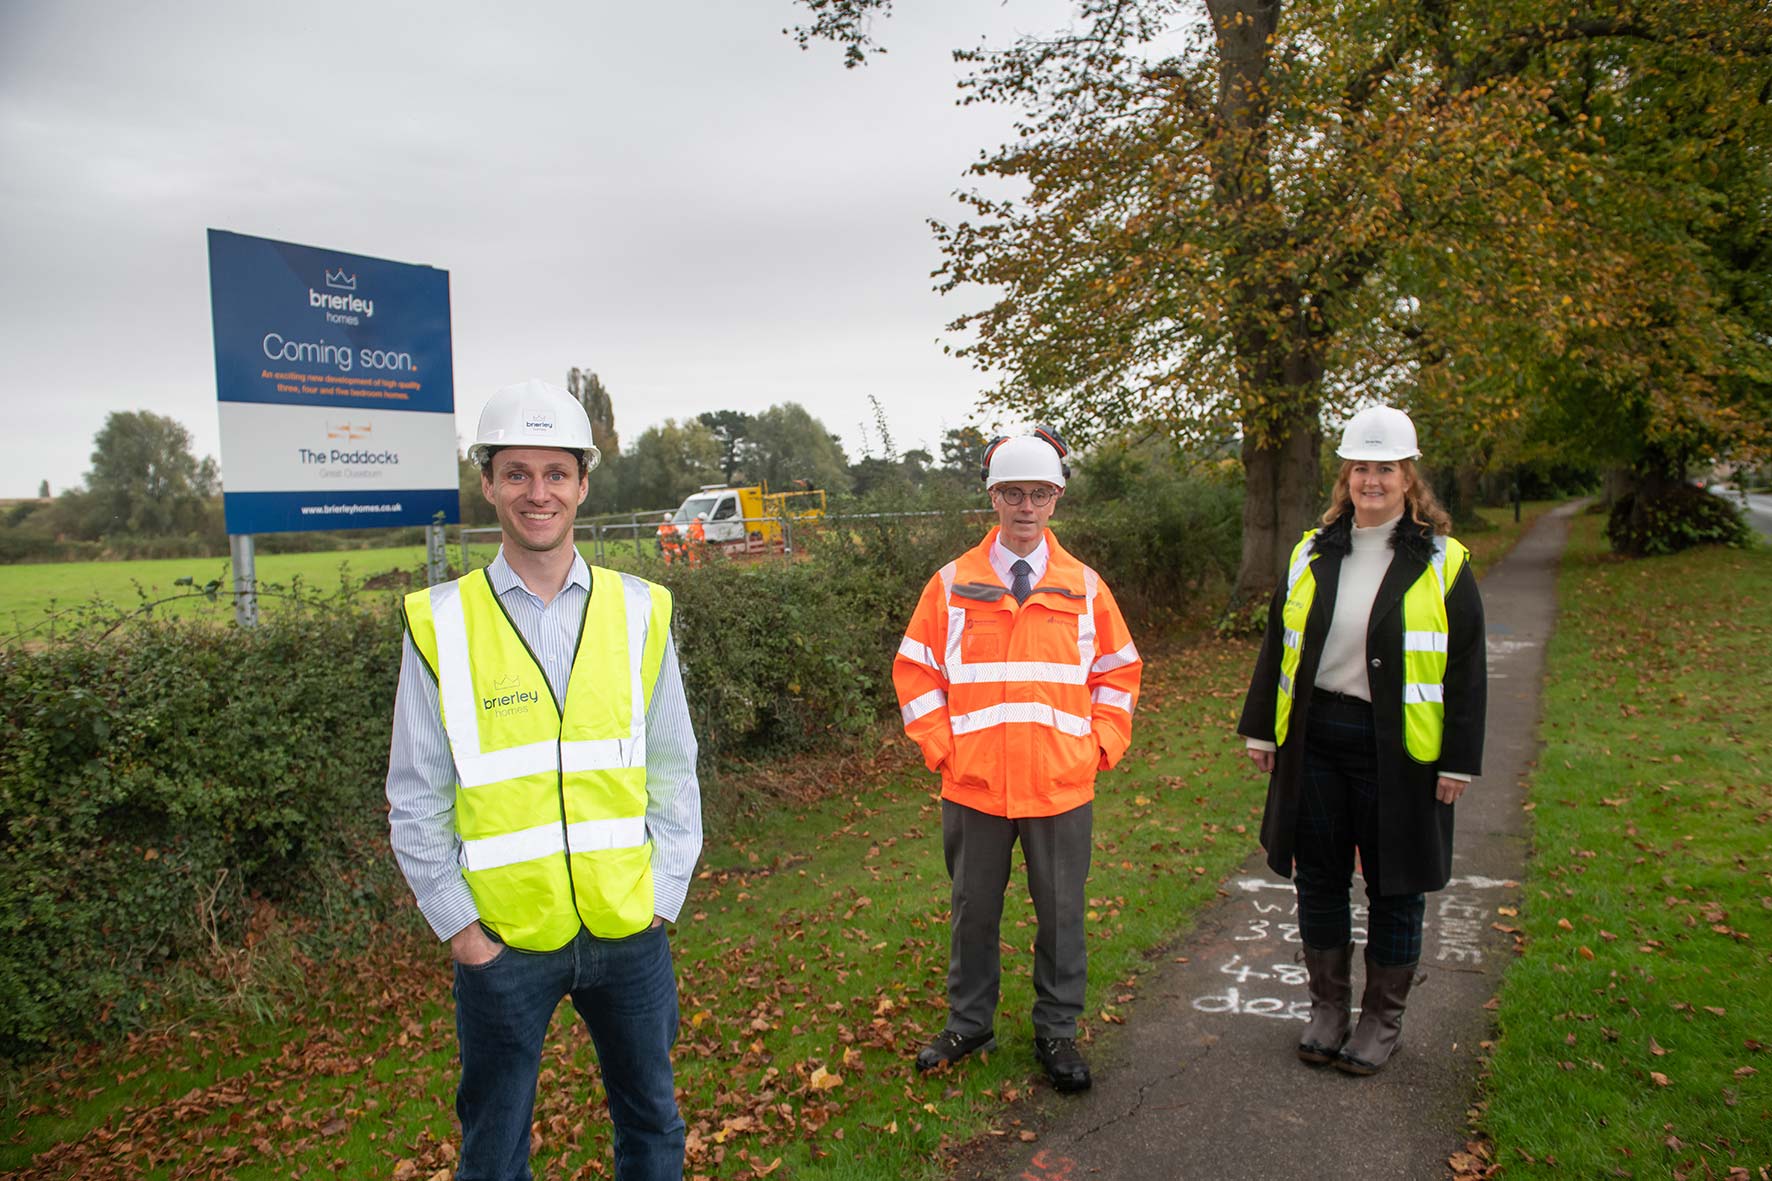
point(1424, 642)
point(550, 803)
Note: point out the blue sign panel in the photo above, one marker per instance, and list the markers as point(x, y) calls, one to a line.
point(335, 385)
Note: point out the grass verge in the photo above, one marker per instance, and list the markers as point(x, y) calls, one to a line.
point(1634, 1028)
point(811, 962)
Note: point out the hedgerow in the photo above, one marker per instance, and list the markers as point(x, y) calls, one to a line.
point(158, 784)
point(180, 768)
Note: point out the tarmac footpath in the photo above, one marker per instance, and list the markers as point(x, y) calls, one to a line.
point(1202, 1084)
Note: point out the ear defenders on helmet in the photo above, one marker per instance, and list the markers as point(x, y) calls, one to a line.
point(1046, 434)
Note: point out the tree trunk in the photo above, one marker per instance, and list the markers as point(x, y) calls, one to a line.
point(1279, 503)
point(1278, 361)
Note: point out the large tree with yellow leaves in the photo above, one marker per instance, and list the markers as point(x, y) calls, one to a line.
point(1242, 217)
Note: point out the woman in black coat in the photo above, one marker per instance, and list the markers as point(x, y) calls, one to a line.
point(1366, 708)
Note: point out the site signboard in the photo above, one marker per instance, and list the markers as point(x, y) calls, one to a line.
point(335, 386)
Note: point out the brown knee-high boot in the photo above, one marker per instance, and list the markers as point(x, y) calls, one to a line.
point(1381, 1017)
point(1332, 996)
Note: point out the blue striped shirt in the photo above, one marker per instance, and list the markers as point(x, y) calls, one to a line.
point(421, 770)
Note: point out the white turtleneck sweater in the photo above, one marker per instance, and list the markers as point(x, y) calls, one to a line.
point(1342, 668)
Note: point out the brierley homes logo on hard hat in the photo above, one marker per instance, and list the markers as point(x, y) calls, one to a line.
point(340, 300)
point(509, 697)
point(538, 422)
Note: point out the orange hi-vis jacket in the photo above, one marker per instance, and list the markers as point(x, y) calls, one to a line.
point(1018, 705)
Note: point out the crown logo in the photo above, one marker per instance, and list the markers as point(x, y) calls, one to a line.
point(339, 281)
point(506, 684)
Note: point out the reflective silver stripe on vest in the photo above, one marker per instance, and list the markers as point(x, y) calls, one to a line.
point(512, 762)
point(1086, 625)
point(589, 836)
point(932, 700)
point(1285, 683)
point(1291, 637)
point(1035, 712)
point(602, 754)
point(526, 844)
point(956, 617)
point(1415, 693)
point(1424, 641)
point(550, 840)
point(1102, 695)
point(912, 650)
point(1122, 658)
point(639, 621)
point(1438, 561)
point(455, 682)
point(1018, 670)
point(1300, 564)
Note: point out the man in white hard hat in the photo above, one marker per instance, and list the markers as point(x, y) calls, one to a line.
point(543, 799)
point(1017, 677)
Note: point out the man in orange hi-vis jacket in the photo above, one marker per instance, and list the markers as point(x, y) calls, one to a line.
point(1018, 678)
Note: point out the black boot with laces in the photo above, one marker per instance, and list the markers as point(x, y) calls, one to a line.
point(949, 1046)
point(1063, 1062)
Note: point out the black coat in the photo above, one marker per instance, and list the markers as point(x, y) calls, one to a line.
point(1415, 829)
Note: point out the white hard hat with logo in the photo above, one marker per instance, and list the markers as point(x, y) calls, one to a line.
point(533, 414)
point(1379, 433)
point(1039, 456)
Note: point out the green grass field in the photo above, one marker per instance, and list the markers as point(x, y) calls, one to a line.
point(811, 960)
point(43, 599)
point(1635, 1029)
point(30, 593)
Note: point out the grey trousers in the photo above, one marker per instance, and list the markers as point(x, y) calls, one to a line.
point(978, 848)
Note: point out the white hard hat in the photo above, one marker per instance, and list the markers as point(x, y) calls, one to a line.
point(701, 516)
point(666, 517)
point(1379, 433)
point(1026, 457)
point(533, 414)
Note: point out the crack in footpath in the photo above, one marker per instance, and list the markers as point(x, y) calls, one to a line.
point(1144, 1089)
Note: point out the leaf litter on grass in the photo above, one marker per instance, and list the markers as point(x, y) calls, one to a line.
point(811, 960)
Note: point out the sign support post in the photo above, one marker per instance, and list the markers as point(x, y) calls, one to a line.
point(436, 557)
point(245, 580)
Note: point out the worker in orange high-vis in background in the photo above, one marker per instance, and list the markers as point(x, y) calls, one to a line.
point(698, 539)
point(1017, 677)
point(670, 542)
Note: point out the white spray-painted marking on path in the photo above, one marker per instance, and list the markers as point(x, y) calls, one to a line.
point(1266, 977)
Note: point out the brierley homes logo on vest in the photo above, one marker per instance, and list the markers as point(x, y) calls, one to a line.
point(509, 698)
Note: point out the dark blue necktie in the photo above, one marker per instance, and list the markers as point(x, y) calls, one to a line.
point(1021, 588)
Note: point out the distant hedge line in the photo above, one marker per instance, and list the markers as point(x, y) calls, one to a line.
point(181, 763)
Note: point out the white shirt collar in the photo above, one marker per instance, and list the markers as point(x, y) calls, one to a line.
point(1002, 558)
point(503, 578)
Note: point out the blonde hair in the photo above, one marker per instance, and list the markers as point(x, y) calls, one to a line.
point(1418, 499)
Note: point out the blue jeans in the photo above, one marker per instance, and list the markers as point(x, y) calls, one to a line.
point(626, 993)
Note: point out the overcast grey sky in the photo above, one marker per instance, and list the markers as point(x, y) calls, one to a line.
point(671, 194)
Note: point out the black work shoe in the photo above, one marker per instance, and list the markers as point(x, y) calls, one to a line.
point(949, 1046)
point(1064, 1064)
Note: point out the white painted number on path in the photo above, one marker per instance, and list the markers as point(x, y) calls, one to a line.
point(1265, 977)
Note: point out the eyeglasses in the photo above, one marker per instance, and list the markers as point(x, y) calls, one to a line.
point(1013, 496)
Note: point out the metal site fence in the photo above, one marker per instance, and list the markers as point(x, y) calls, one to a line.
point(764, 537)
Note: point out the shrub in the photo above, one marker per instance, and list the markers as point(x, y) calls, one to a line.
point(1679, 517)
point(1161, 547)
point(169, 765)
